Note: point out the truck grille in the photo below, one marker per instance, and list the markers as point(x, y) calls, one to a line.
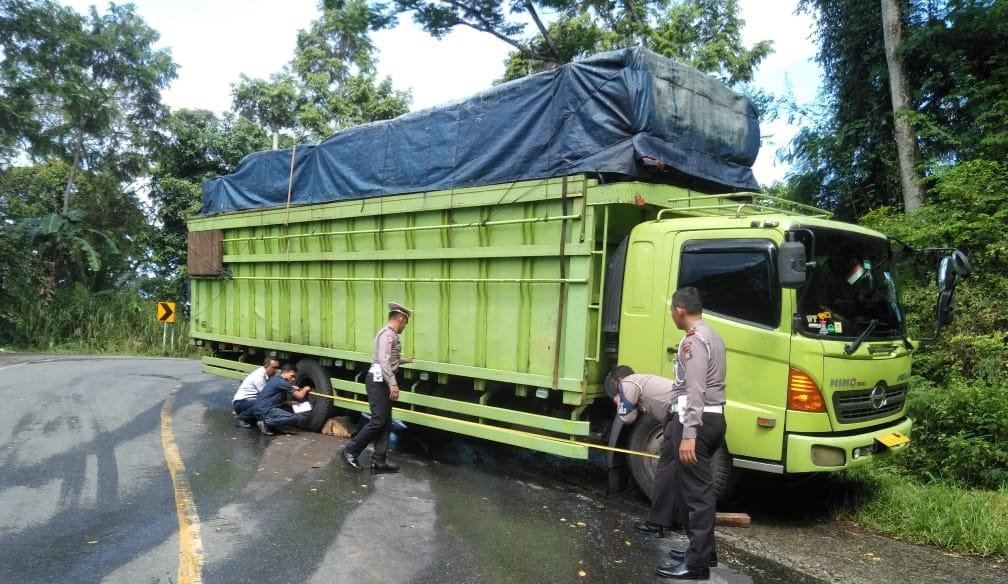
point(859, 405)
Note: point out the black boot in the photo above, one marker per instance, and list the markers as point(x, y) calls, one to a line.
point(382, 465)
point(350, 460)
point(649, 528)
point(680, 555)
point(681, 571)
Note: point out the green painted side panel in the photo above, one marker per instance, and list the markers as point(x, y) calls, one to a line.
point(481, 269)
point(462, 371)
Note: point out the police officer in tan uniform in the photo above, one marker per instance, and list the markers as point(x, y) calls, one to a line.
point(637, 394)
point(695, 429)
point(382, 390)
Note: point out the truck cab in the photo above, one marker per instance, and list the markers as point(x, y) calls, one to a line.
point(818, 371)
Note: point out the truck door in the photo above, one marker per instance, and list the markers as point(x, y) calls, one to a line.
point(736, 274)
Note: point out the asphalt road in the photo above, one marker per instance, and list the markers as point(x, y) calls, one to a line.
point(130, 470)
point(88, 494)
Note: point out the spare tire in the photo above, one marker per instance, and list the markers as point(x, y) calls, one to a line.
point(646, 435)
point(310, 373)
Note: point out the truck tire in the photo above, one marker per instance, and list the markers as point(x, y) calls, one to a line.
point(309, 372)
point(724, 479)
point(646, 436)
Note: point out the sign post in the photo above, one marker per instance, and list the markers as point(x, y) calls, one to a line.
point(165, 313)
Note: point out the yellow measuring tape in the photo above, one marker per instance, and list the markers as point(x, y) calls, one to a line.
point(508, 430)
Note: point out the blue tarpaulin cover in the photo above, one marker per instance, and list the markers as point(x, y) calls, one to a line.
point(626, 114)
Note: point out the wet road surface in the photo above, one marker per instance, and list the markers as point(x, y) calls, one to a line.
point(87, 495)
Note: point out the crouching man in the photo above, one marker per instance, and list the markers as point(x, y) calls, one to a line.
point(271, 409)
point(637, 394)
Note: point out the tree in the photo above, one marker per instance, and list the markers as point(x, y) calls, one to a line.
point(955, 53)
point(193, 145)
point(330, 82)
point(899, 90)
point(844, 160)
point(272, 104)
point(706, 34)
point(86, 88)
point(94, 244)
point(438, 18)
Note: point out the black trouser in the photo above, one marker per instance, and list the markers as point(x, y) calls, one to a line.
point(687, 491)
point(663, 499)
point(379, 426)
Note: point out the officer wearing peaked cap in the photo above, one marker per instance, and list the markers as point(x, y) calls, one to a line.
point(382, 390)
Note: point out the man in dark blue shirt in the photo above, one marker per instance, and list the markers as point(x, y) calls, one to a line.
point(268, 409)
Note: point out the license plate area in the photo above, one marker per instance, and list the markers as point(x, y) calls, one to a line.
point(891, 440)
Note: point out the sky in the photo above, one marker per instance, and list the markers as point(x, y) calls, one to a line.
point(215, 41)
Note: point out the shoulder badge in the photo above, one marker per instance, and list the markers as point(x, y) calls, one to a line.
point(687, 350)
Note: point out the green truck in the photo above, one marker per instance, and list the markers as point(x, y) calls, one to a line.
point(527, 292)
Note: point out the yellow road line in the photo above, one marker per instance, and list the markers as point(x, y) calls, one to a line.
point(503, 429)
point(190, 570)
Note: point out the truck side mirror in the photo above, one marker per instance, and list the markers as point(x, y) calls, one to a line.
point(951, 267)
point(791, 264)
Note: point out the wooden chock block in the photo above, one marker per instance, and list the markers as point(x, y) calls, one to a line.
point(732, 520)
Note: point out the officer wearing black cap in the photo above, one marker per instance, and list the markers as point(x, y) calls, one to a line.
point(382, 390)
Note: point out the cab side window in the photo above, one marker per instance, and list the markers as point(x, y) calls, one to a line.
point(735, 278)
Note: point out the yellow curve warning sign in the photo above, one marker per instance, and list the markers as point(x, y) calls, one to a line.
point(165, 311)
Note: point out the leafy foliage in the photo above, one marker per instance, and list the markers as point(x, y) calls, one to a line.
point(961, 433)
point(87, 88)
point(706, 34)
point(846, 161)
point(956, 53)
point(94, 243)
point(330, 83)
point(194, 146)
point(961, 411)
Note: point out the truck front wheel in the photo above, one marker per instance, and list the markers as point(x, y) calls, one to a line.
point(310, 373)
point(646, 436)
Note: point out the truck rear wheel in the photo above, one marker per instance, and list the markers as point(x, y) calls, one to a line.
point(310, 373)
point(647, 435)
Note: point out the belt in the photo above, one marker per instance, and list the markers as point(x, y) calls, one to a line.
point(707, 409)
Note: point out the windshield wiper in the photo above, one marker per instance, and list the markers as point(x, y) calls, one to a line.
point(848, 349)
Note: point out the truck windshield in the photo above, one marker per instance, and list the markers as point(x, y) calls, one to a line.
point(850, 286)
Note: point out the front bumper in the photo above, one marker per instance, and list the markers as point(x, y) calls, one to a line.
point(805, 453)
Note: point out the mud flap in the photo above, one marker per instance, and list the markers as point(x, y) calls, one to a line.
point(619, 472)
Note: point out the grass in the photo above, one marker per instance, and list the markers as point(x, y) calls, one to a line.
point(960, 520)
point(119, 323)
